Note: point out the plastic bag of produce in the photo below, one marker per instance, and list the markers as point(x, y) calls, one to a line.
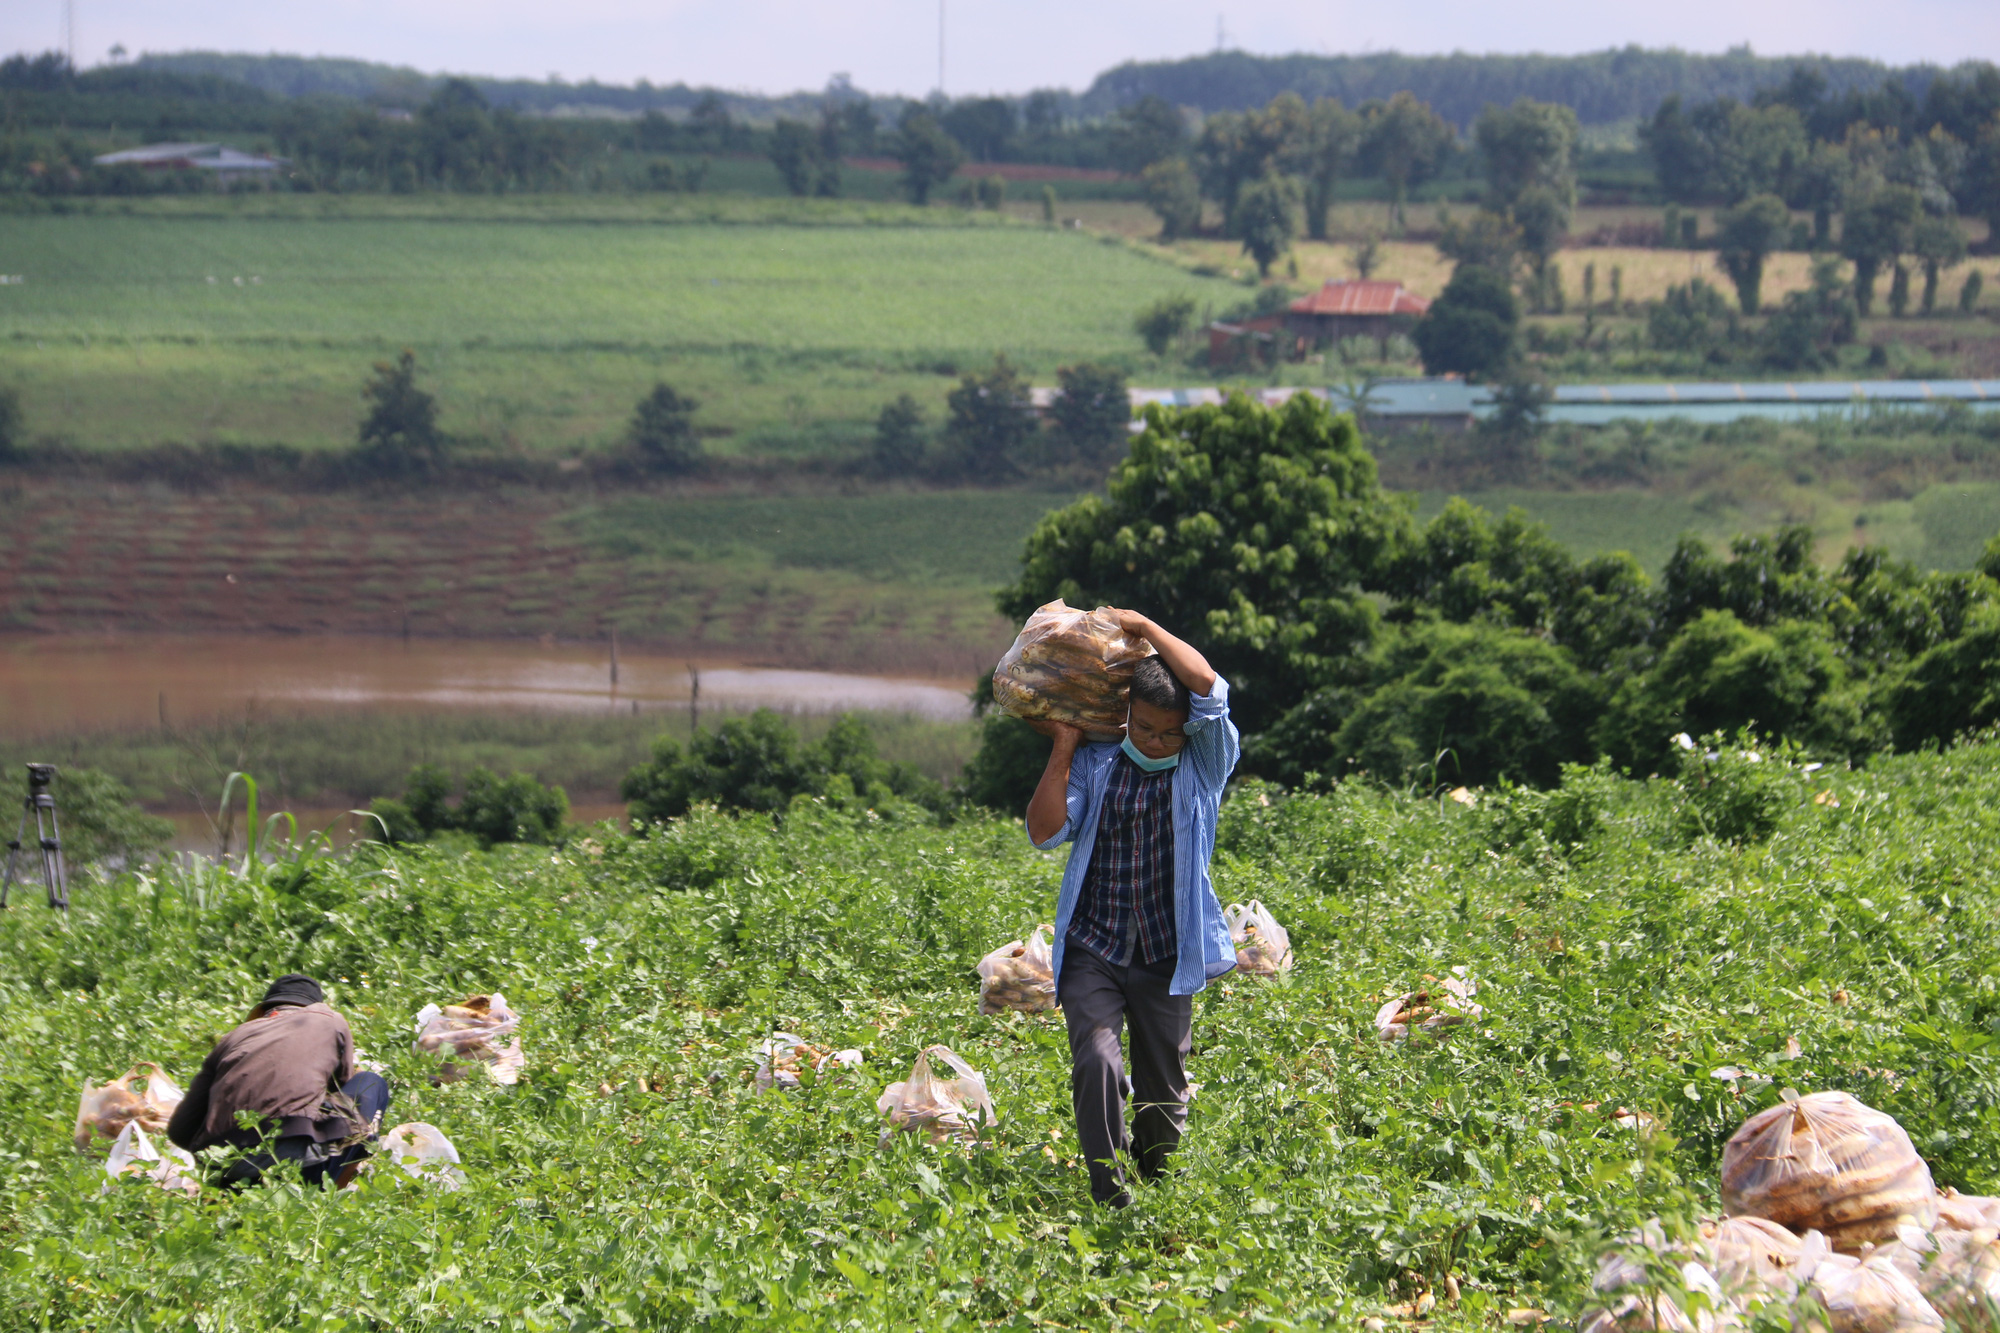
point(782, 1056)
point(1870, 1296)
point(103, 1112)
point(1428, 1012)
point(133, 1154)
point(469, 1030)
point(1827, 1163)
point(1753, 1258)
point(1961, 1278)
point(956, 1107)
point(423, 1151)
point(1262, 946)
point(1019, 975)
point(1070, 666)
point(1967, 1212)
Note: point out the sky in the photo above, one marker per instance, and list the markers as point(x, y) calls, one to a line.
point(1008, 46)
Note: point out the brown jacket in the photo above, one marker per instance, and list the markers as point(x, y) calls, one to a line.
point(281, 1066)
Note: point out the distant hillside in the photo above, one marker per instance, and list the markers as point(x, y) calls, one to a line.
point(399, 85)
point(1603, 87)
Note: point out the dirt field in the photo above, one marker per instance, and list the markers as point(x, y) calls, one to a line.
point(486, 564)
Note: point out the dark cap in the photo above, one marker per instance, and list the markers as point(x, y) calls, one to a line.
point(292, 988)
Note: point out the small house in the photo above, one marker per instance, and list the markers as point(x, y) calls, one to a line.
point(1370, 308)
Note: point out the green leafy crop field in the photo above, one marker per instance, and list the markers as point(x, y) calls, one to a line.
point(633, 1178)
point(541, 334)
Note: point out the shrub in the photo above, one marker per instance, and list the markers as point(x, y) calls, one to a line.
point(1469, 330)
point(400, 433)
point(991, 421)
point(1090, 416)
point(1469, 704)
point(101, 822)
point(1732, 790)
point(1162, 323)
point(662, 430)
point(1719, 674)
point(757, 763)
point(899, 437)
point(1693, 317)
point(1003, 772)
point(494, 809)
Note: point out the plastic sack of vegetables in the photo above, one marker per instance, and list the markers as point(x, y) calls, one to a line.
point(782, 1057)
point(955, 1107)
point(1826, 1162)
point(469, 1030)
point(104, 1112)
point(1262, 946)
point(422, 1150)
point(1019, 975)
point(1070, 666)
point(133, 1154)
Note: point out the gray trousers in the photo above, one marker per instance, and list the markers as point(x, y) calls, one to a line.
point(1097, 1001)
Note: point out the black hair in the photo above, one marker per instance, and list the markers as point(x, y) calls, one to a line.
point(1152, 683)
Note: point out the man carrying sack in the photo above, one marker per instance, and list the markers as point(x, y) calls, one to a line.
point(1138, 926)
point(291, 1063)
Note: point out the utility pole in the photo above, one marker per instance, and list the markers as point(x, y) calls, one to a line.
point(69, 31)
point(940, 48)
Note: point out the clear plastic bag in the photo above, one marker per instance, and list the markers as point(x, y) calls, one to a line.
point(1827, 1163)
point(1961, 1277)
point(104, 1112)
point(1428, 1012)
point(1967, 1212)
point(469, 1031)
point(1019, 975)
point(133, 1154)
point(1753, 1258)
point(955, 1108)
point(1262, 946)
point(1070, 666)
point(423, 1151)
point(782, 1057)
point(1870, 1296)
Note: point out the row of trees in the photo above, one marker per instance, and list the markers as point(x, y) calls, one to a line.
point(1474, 650)
point(400, 437)
point(992, 432)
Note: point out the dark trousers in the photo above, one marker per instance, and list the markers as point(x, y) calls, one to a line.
point(370, 1094)
point(1098, 1000)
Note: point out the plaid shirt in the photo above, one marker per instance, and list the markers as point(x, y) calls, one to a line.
point(1125, 914)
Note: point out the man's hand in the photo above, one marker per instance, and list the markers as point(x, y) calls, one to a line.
point(1058, 731)
point(1188, 665)
point(1132, 624)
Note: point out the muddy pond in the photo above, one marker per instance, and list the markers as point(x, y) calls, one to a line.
point(62, 683)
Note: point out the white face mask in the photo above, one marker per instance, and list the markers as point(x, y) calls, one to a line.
point(1147, 762)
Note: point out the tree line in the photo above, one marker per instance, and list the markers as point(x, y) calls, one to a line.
point(1476, 650)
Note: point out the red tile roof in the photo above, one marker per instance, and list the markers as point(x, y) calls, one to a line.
point(1371, 297)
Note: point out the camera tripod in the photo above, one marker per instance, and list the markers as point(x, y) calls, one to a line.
point(41, 806)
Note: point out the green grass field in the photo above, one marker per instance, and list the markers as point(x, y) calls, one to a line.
point(635, 1179)
point(260, 328)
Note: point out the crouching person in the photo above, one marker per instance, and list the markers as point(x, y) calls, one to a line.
point(1138, 927)
point(291, 1064)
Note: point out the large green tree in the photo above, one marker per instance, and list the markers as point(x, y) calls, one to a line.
point(1877, 229)
point(1469, 330)
point(929, 156)
point(1267, 218)
point(1403, 141)
point(1745, 237)
point(1333, 138)
point(1248, 531)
